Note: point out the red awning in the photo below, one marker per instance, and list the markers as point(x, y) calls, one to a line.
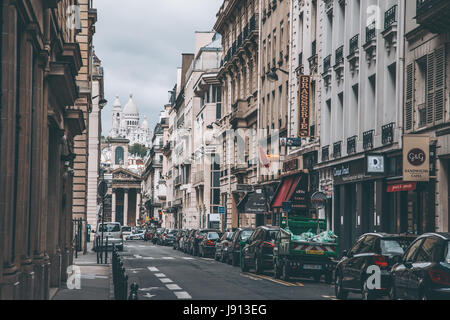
point(286, 190)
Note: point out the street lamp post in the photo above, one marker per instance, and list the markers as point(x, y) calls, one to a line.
point(102, 190)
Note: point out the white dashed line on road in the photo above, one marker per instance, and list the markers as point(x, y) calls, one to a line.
point(188, 258)
point(153, 269)
point(165, 280)
point(182, 295)
point(160, 275)
point(168, 258)
point(173, 286)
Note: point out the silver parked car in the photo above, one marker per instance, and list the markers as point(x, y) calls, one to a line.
point(113, 231)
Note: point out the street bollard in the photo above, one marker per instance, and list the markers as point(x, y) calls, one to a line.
point(125, 286)
point(106, 252)
point(96, 249)
point(133, 291)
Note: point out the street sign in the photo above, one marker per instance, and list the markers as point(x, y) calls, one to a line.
point(221, 210)
point(102, 189)
point(287, 206)
point(318, 200)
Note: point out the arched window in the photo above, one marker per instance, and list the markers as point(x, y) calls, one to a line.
point(119, 155)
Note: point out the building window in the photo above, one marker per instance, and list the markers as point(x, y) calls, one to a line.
point(119, 155)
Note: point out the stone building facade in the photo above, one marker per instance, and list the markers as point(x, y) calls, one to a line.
point(40, 61)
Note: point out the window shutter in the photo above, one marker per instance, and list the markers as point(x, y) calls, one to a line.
point(439, 95)
point(429, 93)
point(409, 96)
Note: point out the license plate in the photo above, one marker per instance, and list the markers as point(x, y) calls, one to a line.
point(312, 267)
point(316, 252)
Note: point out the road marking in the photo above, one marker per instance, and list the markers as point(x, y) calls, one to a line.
point(153, 269)
point(207, 259)
point(148, 258)
point(137, 256)
point(168, 258)
point(149, 296)
point(288, 284)
point(165, 280)
point(173, 286)
point(249, 276)
point(148, 289)
point(300, 284)
point(188, 258)
point(142, 246)
point(160, 275)
point(329, 297)
point(182, 295)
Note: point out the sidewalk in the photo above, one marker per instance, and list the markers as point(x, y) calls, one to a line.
point(95, 280)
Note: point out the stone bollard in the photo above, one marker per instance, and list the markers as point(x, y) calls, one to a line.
point(133, 291)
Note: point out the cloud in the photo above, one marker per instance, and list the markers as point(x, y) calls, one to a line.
point(140, 43)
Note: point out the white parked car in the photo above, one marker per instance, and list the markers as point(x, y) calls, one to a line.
point(126, 231)
point(136, 235)
point(113, 231)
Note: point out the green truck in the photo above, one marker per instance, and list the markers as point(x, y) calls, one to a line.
point(304, 248)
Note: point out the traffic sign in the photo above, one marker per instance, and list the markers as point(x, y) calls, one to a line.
point(318, 200)
point(221, 210)
point(102, 189)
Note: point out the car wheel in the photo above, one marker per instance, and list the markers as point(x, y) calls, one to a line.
point(285, 272)
point(341, 294)
point(258, 266)
point(423, 295)
point(244, 266)
point(366, 293)
point(392, 293)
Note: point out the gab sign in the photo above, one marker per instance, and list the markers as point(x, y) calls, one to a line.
point(416, 159)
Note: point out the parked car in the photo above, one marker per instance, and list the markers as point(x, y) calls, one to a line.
point(196, 238)
point(240, 238)
point(137, 234)
point(424, 270)
point(157, 235)
point(258, 251)
point(207, 245)
point(168, 237)
point(223, 246)
point(113, 231)
point(178, 236)
point(126, 231)
point(371, 249)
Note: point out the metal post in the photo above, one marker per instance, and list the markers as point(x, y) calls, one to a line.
point(103, 225)
point(106, 252)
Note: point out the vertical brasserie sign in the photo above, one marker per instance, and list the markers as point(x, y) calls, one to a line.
point(304, 97)
point(416, 158)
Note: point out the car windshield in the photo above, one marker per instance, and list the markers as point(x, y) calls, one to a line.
point(173, 231)
point(213, 236)
point(126, 229)
point(391, 247)
point(246, 234)
point(271, 235)
point(110, 227)
point(230, 235)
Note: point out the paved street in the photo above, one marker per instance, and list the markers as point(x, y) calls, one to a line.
point(166, 274)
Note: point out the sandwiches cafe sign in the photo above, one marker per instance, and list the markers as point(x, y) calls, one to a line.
point(416, 158)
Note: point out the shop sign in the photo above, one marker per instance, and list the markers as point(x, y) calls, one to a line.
point(304, 97)
point(341, 170)
point(291, 165)
point(299, 198)
point(416, 158)
point(290, 142)
point(375, 164)
point(410, 186)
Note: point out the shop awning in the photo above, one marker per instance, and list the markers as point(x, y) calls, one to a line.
point(284, 193)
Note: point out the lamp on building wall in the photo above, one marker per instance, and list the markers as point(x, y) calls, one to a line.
point(272, 75)
point(102, 103)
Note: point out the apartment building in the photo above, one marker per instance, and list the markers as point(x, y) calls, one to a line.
point(426, 113)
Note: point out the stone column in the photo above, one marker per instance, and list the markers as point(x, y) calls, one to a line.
point(113, 206)
point(125, 207)
point(138, 202)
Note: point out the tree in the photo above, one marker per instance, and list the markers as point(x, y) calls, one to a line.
point(138, 150)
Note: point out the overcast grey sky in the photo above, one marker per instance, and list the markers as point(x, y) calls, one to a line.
point(140, 44)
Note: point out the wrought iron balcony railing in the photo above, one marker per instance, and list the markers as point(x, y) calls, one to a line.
point(325, 153)
point(434, 15)
point(387, 133)
point(339, 55)
point(327, 63)
point(351, 145)
point(354, 44)
point(368, 140)
point(371, 32)
point(337, 149)
point(390, 17)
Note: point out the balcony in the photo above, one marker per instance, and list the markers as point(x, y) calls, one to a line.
point(433, 15)
point(353, 56)
point(313, 60)
point(198, 178)
point(368, 140)
point(239, 169)
point(387, 134)
point(390, 28)
point(325, 153)
point(339, 66)
point(371, 43)
point(337, 149)
point(351, 145)
point(327, 71)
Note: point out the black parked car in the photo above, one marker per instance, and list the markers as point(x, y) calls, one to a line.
point(240, 237)
point(207, 245)
point(371, 249)
point(196, 238)
point(168, 237)
point(223, 246)
point(258, 252)
point(424, 270)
